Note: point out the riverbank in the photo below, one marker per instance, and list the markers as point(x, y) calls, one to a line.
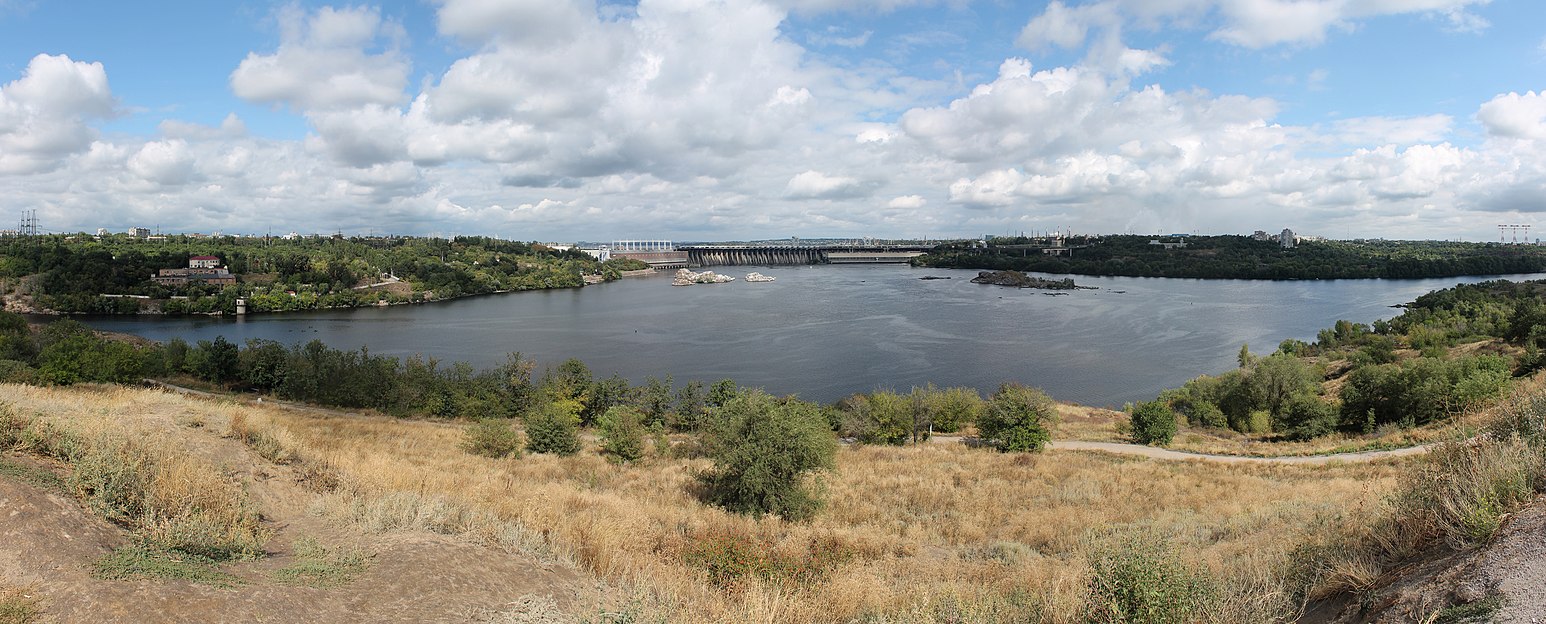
point(1243, 257)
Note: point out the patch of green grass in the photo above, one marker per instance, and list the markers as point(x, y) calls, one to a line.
point(17, 607)
point(140, 562)
point(321, 567)
point(1471, 612)
point(32, 475)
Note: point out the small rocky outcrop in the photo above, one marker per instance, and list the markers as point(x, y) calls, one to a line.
point(1021, 280)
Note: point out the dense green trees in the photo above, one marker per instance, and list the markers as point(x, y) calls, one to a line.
point(1240, 257)
point(1398, 373)
point(764, 450)
point(72, 272)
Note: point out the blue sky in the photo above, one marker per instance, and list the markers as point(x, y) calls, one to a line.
point(700, 119)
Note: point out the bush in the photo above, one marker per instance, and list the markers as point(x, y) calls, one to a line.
point(551, 428)
point(622, 433)
point(492, 438)
point(1153, 423)
point(954, 408)
point(1139, 579)
point(1018, 419)
point(763, 451)
point(1307, 416)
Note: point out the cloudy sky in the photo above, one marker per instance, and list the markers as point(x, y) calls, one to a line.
point(705, 119)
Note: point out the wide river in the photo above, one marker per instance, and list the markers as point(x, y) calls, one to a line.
point(824, 332)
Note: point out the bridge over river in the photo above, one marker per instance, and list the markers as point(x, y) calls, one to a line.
point(765, 255)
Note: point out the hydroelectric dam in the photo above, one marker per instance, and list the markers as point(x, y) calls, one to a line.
point(679, 256)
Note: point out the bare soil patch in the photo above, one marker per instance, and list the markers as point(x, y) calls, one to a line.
point(49, 541)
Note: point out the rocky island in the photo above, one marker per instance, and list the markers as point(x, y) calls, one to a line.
point(1021, 280)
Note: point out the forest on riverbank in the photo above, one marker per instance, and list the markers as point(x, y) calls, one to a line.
point(1242, 257)
point(79, 274)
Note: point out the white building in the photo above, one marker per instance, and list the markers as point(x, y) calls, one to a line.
point(1287, 239)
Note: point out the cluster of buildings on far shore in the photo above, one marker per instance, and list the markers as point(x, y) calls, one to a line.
point(201, 270)
point(1287, 238)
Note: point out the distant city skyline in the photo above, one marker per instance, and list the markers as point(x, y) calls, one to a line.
point(706, 120)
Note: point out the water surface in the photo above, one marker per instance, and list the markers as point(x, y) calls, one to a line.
point(827, 331)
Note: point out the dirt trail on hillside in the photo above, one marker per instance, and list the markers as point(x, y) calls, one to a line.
point(49, 541)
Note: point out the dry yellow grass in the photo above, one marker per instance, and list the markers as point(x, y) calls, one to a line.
point(927, 530)
point(127, 462)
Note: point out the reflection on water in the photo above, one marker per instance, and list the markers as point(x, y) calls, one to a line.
point(827, 331)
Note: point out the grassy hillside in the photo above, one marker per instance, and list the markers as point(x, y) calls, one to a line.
point(934, 532)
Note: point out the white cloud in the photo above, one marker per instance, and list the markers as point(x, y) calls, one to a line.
point(908, 202)
point(167, 163)
point(45, 114)
point(324, 62)
point(1516, 116)
point(817, 185)
point(1245, 23)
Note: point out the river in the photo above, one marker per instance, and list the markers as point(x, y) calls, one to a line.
point(824, 332)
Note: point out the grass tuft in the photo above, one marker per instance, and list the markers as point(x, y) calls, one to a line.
point(138, 561)
point(321, 567)
point(19, 606)
point(32, 475)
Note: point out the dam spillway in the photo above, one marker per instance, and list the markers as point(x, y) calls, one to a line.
point(740, 255)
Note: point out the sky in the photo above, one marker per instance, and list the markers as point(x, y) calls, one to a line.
point(563, 120)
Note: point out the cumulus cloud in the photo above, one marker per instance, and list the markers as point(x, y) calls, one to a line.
point(328, 59)
point(1244, 23)
point(45, 114)
point(1515, 116)
point(167, 163)
point(567, 120)
point(817, 185)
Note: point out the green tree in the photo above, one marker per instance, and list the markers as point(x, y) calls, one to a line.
point(1018, 419)
point(764, 450)
point(1306, 416)
point(622, 433)
point(1153, 423)
point(954, 408)
point(553, 428)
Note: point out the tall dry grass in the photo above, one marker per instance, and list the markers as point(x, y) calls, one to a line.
point(909, 534)
point(131, 472)
point(916, 534)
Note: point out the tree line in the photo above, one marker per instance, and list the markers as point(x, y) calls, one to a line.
point(69, 274)
point(764, 448)
point(1242, 257)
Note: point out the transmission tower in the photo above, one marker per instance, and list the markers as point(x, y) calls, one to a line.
point(1514, 230)
point(29, 223)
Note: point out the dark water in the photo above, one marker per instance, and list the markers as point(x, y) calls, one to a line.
point(827, 331)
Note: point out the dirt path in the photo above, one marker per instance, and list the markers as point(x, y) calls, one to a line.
point(1163, 453)
point(49, 541)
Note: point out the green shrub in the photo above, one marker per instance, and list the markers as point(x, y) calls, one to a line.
point(553, 428)
point(1153, 423)
point(492, 438)
point(763, 450)
point(1307, 416)
point(1139, 579)
point(1018, 419)
point(16, 372)
point(622, 433)
point(953, 408)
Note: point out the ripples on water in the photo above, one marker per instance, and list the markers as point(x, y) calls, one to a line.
point(827, 331)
